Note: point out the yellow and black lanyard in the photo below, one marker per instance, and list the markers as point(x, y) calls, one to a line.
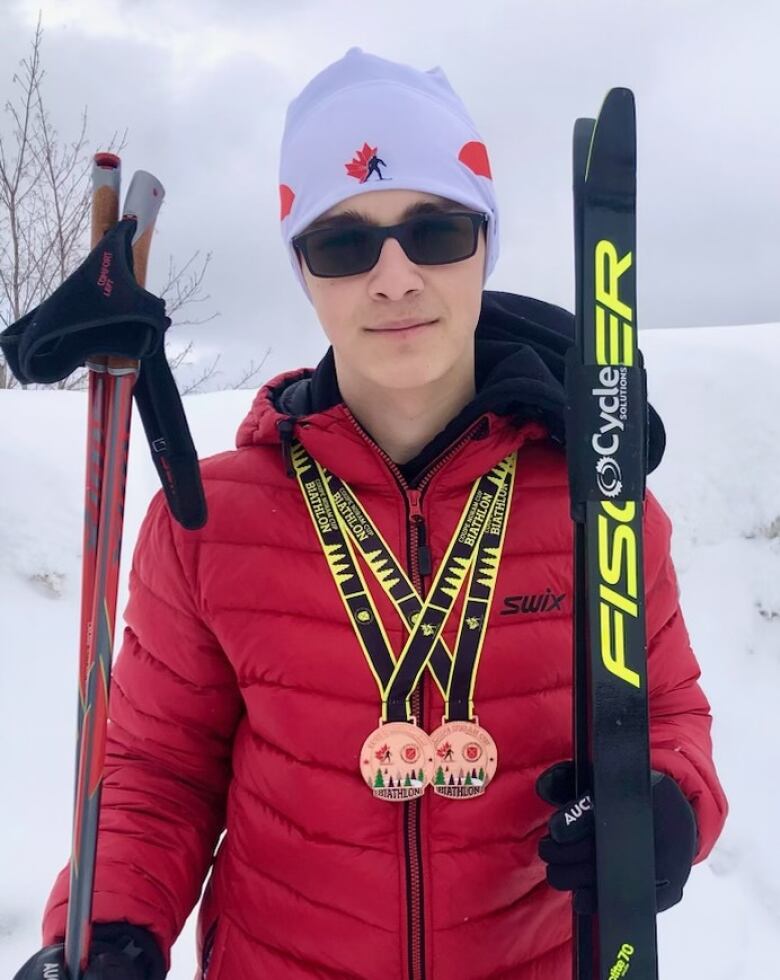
point(474, 552)
point(339, 520)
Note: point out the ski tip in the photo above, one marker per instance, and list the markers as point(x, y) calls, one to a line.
point(583, 129)
point(612, 161)
point(620, 92)
point(581, 140)
point(620, 105)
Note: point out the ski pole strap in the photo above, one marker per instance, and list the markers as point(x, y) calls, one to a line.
point(98, 310)
point(101, 311)
point(339, 520)
point(170, 441)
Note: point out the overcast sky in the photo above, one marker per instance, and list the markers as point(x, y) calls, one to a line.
point(202, 87)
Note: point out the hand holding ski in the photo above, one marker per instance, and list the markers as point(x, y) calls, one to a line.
point(569, 848)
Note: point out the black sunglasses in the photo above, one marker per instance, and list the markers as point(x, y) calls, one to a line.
point(429, 239)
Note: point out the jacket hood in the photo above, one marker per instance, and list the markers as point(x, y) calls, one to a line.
point(520, 348)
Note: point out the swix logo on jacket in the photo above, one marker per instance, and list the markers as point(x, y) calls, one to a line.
point(546, 601)
point(241, 699)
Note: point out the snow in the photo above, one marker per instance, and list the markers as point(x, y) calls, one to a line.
point(716, 389)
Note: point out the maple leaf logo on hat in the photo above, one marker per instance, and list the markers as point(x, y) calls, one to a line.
point(364, 163)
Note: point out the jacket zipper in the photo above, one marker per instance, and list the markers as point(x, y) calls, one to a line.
point(413, 808)
point(420, 565)
point(208, 947)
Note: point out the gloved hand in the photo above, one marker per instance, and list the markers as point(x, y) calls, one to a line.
point(119, 951)
point(569, 849)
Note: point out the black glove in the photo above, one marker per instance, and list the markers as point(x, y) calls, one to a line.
point(119, 951)
point(569, 849)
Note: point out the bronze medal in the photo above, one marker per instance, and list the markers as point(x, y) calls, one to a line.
point(396, 761)
point(465, 760)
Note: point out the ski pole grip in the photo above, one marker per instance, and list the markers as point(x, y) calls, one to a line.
point(106, 181)
point(144, 197)
point(141, 246)
point(106, 178)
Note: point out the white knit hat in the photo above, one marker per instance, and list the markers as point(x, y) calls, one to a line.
point(363, 106)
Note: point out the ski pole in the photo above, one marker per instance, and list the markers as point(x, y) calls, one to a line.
point(108, 438)
point(106, 181)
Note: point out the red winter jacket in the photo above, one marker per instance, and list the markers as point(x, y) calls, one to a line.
point(240, 700)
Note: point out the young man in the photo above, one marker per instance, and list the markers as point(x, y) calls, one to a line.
point(375, 757)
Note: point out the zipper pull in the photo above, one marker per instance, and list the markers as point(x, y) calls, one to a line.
point(424, 559)
point(286, 427)
point(415, 507)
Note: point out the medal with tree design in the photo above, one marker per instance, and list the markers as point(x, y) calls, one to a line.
point(465, 760)
point(397, 761)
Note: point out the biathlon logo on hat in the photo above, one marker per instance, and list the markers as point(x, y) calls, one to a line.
point(365, 163)
point(335, 128)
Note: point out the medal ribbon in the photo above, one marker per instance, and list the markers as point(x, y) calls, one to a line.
point(459, 699)
point(387, 570)
point(338, 519)
point(343, 565)
point(459, 673)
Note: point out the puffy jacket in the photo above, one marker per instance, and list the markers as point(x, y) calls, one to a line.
point(240, 699)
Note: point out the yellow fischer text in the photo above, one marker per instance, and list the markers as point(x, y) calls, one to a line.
point(618, 589)
point(614, 318)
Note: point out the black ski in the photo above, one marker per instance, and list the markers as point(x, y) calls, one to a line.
point(607, 458)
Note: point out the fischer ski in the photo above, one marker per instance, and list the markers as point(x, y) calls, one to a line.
point(606, 436)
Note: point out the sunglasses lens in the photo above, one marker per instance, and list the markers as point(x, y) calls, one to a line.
point(340, 252)
point(431, 239)
point(439, 239)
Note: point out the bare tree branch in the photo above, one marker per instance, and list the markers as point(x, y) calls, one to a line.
point(45, 210)
point(205, 376)
point(178, 294)
point(251, 373)
point(177, 359)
